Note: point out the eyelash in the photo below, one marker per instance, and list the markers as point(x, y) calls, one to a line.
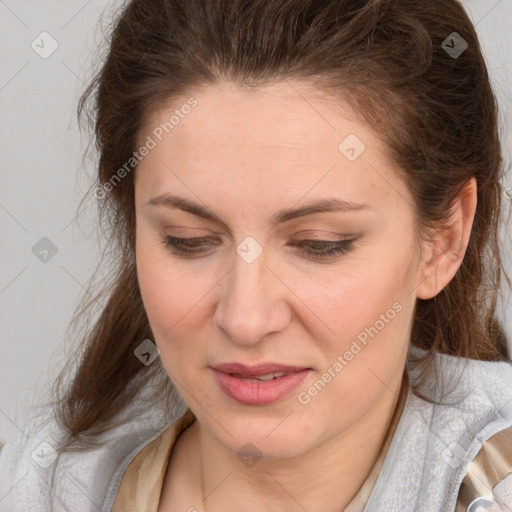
point(335, 247)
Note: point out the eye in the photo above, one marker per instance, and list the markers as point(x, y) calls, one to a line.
point(319, 249)
point(192, 246)
point(323, 248)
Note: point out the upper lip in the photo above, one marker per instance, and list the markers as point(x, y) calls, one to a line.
point(258, 369)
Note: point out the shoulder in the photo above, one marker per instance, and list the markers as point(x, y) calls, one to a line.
point(475, 412)
point(487, 481)
point(465, 403)
point(23, 463)
point(476, 389)
point(36, 472)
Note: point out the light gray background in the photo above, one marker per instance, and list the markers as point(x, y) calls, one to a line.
point(43, 180)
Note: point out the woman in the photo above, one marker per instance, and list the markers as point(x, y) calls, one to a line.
point(301, 316)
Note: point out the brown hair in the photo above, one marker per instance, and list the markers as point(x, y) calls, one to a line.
point(436, 112)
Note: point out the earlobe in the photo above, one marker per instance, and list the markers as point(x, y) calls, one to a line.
point(446, 251)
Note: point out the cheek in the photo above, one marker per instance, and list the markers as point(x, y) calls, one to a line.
point(356, 297)
point(174, 301)
point(366, 310)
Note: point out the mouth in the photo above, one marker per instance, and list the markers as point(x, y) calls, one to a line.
point(259, 378)
point(260, 384)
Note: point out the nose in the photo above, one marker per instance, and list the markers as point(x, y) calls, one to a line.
point(253, 302)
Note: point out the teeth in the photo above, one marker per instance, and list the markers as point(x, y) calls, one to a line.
point(267, 376)
point(270, 376)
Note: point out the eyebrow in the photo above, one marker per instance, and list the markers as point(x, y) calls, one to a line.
point(334, 204)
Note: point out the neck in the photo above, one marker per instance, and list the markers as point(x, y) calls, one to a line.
point(324, 479)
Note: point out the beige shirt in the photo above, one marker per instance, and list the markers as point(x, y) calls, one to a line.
point(143, 480)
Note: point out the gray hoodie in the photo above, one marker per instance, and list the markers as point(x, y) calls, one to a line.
point(428, 458)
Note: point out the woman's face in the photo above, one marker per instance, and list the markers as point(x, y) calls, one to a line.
point(274, 285)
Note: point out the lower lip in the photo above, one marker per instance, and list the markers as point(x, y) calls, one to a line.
point(262, 392)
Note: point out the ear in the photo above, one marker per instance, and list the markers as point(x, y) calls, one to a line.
point(444, 254)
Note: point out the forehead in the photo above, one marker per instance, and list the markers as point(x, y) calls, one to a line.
point(265, 140)
point(284, 114)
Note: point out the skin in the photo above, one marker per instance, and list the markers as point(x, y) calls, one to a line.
point(245, 154)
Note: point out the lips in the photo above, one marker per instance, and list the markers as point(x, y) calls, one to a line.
point(259, 384)
point(255, 370)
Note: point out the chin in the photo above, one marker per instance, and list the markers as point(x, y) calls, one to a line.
point(269, 437)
